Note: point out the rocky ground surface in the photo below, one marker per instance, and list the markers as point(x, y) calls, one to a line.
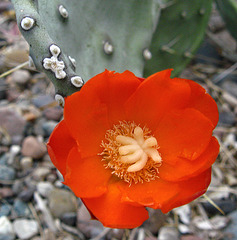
point(34, 204)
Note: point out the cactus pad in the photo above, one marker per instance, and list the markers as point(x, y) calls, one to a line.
point(178, 35)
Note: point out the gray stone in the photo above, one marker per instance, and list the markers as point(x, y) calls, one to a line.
point(61, 201)
point(42, 100)
point(13, 94)
point(155, 222)
point(69, 218)
point(7, 173)
point(4, 158)
point(13, 123)
point(48, 127)
point(17, 187)
point(31, 147)
point(6, 229)
point(231, 228)
point(21, 209)
point(227, 118)
point(90, 228)
point(53, 113)
point(27, 194)
point(230, 86)
point(5, 210)
point(40, 86)
point(25, 229)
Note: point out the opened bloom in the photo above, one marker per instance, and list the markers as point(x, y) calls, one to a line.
point(128, 143)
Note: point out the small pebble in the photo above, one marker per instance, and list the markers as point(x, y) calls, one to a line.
point(27, 194)
point(44, 188)
point(20, 77)
point(4, 158)
point(51, 178)
point(227, 118)
point(21, 209)
point(40, 173)
point(61, 201)
point(42, 100)
point(13, 94)
point(6, 192)
point(5, 210)
point(17, 187)
point(155, 221)
point(231, 228)
point(25, 229)
point(26, 163)
point(168, 233)
point(7, 173)
point(6, 229)
point(13, 123)
point(190, 237)
point(69, 218)
point(31, 147)
point(53, 113)
point(48, 127)
point(88, 227)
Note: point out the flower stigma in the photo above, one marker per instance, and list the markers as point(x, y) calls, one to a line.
point(131, 152)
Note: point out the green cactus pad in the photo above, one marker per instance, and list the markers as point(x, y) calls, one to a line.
point(228, 10)
point(88, 36)
point(178, 35)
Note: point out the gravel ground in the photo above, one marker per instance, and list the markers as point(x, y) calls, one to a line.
point(34, 204)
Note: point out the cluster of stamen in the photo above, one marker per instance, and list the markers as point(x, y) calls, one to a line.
point(131, 152)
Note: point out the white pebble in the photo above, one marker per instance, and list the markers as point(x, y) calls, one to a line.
point(6, 227)
point(44, 188)
point(25, 228)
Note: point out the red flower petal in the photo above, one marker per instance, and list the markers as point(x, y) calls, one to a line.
point(59, 145)
point(113, 213)
point(166, 195)
point(98, 105)
point(189, 190)
point(203, 102)
point(184, 168)
point(183, 133)
point(87, 177)
point(150, 194)
point(156, 96)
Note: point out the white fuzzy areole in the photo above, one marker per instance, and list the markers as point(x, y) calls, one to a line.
point(72, 60)
point(60, 100)
point(63, 11)
point(108, 48)
point(77, 81)
point(27, 23)
point(147, 54)
point(54, 64)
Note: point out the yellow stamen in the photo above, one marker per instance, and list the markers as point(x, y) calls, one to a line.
point(131, 152)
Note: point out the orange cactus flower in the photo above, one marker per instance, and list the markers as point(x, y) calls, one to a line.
point(128, 143)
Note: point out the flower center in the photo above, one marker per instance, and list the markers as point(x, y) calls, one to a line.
point(131, 152)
